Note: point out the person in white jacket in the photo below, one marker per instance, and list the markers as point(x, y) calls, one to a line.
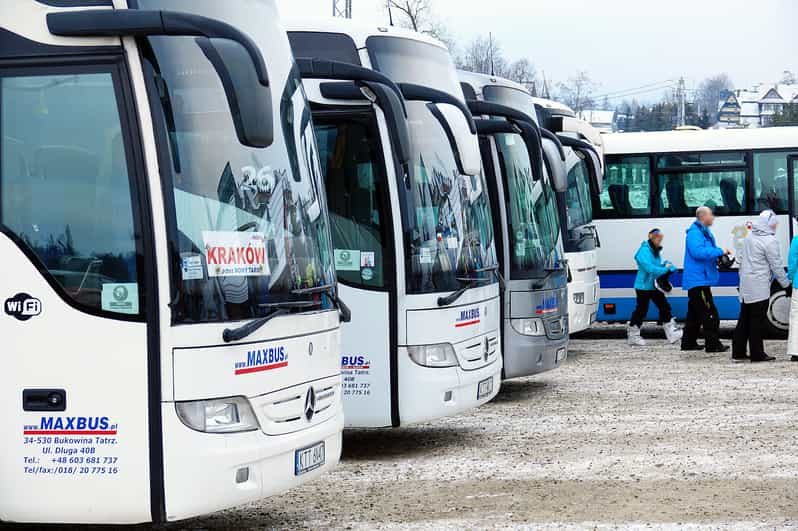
point(761, 263)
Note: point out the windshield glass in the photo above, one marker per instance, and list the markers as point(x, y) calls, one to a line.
point(446, 216)
point(250, 225)
point(532, 224)
point(580, 209)
point(510, 97)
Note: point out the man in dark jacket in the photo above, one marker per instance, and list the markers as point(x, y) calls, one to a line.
point(700, 274)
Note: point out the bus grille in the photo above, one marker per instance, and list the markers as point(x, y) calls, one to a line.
point(285, 411)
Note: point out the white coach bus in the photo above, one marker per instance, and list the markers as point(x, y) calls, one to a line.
point(411, 222)
point(657, 180)
point(171, 326)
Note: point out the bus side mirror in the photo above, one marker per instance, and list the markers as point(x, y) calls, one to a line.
point(559, 177)
point(465, 142)
point(250, 101)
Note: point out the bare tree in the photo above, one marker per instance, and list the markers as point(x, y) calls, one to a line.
point(522, 71)
point(788, 77)
point(484, 56)
point(413, 14)
point(577, 92)
point(708, 96)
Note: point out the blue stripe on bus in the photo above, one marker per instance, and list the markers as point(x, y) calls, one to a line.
point(728, 308)
point(627, 279)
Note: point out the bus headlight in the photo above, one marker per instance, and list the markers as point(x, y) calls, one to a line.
point(528, 327)
point(441, 355)
point(579, 298)
point(223, 415)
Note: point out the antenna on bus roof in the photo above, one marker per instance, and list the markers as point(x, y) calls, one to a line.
point(492, 64)
point(390, 15)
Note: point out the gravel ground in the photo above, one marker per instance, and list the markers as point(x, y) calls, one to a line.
point(634, 438)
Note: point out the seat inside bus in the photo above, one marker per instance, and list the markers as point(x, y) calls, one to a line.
point(728, 191)
point(674, 190)
point(619, 197)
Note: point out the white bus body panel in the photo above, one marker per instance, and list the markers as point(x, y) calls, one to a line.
point(584, 284)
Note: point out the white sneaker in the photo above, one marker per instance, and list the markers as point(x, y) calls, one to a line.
point(672, 332)
point(634, 338)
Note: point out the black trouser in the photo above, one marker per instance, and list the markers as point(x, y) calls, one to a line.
point(644, 297)
point(701, 311)
point(750, 329)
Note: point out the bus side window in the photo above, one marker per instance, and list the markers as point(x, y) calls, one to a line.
point(627, 190)
point(65, 189)
point(682, 193)
point(770, 181)
point(355, 183)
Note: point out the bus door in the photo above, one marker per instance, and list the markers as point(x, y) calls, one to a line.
point(361, 223)
point(74, 383)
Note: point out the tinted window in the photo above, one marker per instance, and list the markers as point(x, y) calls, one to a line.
point(580, 208)
point(330, 46)
point(510, 97)
point(65, 185)
point(409, 61)
point(692, 160)
point(627, 185)
point(356, 185)
point(770, 181)
point(682, 193)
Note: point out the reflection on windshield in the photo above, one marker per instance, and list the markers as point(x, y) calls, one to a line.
point(533, 230)
point(446, 215)
point(251, 224)
point(580, 209)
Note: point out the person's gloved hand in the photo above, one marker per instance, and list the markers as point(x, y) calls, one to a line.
point(788, 291)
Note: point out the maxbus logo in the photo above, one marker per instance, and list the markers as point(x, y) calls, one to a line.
point(549, 305)
point(355, 363)
point(467, 318)
point(266, 359)
point(72, 426)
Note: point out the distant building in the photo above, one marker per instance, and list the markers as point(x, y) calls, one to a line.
point(756, 106)
point(604, 121)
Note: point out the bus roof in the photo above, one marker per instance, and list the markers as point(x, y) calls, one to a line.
point(705, 140)
point(555, 107)
point(358, 31)
point(479, 81)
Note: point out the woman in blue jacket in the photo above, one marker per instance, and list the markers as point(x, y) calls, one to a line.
point(651, 285)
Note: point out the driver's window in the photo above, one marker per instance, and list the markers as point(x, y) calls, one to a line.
point(65, 191)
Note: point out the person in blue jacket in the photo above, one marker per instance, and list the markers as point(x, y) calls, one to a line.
point(792, 274)
point(700, 274)
point(651, 285)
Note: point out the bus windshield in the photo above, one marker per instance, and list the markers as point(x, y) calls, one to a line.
point(532, 225)
point(250, 225)
point(446, 216)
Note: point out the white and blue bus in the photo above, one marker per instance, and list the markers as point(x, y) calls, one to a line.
point(657, 180)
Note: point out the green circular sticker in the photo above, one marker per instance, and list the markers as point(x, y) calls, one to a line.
point(367, 274)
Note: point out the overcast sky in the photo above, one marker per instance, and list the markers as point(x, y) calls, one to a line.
point(622, 44)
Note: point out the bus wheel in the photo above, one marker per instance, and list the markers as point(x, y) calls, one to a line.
point(778, 315)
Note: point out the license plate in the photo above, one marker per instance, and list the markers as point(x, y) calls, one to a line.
point(561, 354)
point(485, 388)
point(308, 459)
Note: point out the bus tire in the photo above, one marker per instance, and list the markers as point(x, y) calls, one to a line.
point(778, 323)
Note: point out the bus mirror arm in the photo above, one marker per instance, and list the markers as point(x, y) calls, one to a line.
point(245, 80)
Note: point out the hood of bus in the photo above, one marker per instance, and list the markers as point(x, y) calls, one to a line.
point(287, 352)
point(471, 324)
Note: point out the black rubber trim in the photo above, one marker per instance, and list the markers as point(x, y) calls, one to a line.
point(438, 115)
point(413, 92)
point(145, 23)
point(495, 127)
point(485, 108)
point(310, 68)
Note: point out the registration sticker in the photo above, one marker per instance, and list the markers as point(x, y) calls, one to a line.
point(120, 297)
point(347, 259)
point(191, 267)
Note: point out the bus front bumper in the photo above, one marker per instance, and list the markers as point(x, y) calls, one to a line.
point(427, 393)
point(203, 472)
point(582, 315)
point(529, 355)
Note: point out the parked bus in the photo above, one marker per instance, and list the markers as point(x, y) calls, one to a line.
point(171, 325)
point(657, 180)
point(584, 148)
point(411, 221)
point(527, 224)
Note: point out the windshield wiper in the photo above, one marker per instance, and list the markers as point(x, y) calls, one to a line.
point(472, 283)
point(495, 270)
point(343, 309)
point(549, 272)
point(278, 308)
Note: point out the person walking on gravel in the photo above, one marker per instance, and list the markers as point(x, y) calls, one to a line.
point(652, 284)
point(761, 263)
point(700, 274)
